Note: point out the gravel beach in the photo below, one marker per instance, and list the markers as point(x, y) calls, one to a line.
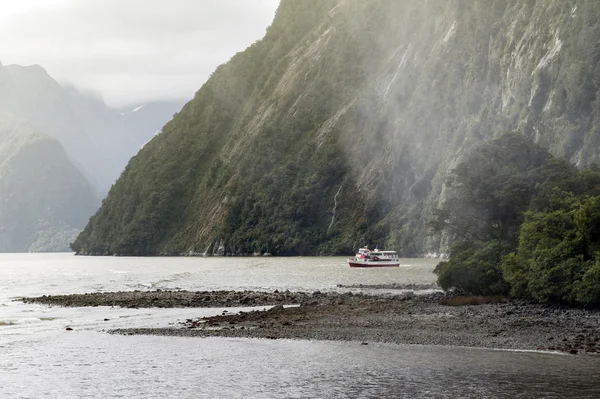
point(404, 319)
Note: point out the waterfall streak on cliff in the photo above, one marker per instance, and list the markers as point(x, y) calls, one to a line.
point(334, 208)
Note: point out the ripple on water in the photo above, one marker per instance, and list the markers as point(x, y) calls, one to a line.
point(42, 359)
point(79, 364)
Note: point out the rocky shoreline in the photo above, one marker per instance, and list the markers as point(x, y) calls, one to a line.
point(402, 319)
point(177, 299)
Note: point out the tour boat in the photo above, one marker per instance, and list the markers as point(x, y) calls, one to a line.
point(374, 258)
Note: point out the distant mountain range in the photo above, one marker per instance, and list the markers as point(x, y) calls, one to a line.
point(98, 139)
point(77, 146)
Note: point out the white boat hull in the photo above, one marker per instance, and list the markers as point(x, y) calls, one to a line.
point(357, 262)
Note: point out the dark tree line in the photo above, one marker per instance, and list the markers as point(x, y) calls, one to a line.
point(523, 223)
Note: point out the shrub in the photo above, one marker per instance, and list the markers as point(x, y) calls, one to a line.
point(473, 269)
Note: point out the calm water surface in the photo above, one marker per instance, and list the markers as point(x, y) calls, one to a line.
point(38, 358)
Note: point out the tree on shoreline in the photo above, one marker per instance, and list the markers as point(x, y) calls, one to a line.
point(524, 223)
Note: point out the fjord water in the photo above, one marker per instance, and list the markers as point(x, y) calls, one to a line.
point(39, 358)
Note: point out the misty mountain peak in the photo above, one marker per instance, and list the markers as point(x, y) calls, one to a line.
point(44, 198)
point(94, 135)
point(33, 69)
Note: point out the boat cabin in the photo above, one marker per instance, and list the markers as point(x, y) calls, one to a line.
point(366, 253)
point(384, 254)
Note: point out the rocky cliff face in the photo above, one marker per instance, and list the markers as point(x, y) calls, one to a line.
point(44, 200)
point(338, 129)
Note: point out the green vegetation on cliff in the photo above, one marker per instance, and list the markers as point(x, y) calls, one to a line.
point(340, 127)
point(524, 223)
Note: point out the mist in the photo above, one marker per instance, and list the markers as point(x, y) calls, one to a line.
point(131, 51)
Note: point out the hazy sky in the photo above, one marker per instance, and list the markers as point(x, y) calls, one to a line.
point(131, 50)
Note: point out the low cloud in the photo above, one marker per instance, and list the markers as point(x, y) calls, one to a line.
point(131, 50)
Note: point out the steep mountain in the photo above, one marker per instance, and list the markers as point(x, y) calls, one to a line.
point(44, 199)
point(340, 127)
point(99, 139)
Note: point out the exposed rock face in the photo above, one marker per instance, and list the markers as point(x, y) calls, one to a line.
point(45, 201)
point(338, 129)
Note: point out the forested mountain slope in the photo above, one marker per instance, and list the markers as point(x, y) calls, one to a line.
point(340, 127)
point(44, 199)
